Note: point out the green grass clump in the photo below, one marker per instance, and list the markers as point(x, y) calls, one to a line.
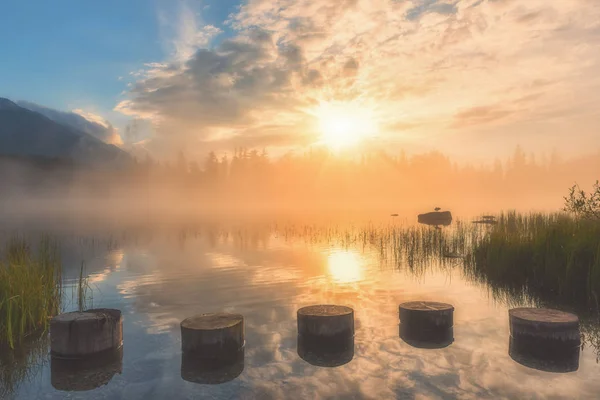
point(30, 288)
point(552, 257)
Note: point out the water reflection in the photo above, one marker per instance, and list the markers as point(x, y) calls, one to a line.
point(426, 339)
point(211, 372)
point(87, 374)
point(159, 283)
point(326, 355)
point(548, 356)
point(345, 266)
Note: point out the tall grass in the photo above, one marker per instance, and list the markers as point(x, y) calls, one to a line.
point(549, 257)
point(30, 288)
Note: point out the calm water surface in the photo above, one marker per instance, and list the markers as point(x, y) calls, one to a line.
point(159, 279)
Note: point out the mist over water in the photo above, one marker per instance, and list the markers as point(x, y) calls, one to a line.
point(316, 184)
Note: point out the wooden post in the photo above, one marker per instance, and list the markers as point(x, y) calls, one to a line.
point(213, 336)
point(83, 334)
point(543, 323)
point(426, 324)
point(545, 339)
point(325, 321)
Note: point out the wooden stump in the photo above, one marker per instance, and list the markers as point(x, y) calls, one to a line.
point(545, 339)
point(326, 354)
point(88, 333)
point(427, 315)
point(213, 336)
point(325, 322)
point(426, 324)
point(85, 374)
point(545, 324)
point(211, 371)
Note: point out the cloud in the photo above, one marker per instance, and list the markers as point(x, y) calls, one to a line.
point(433, 65)
point(83, 121)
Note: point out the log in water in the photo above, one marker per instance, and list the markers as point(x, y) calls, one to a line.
point(85, 334)
point(217, 336)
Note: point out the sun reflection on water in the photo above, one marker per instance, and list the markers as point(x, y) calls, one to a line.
point(345, 266)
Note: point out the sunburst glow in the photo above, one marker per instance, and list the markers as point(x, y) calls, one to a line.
point(345, 266)
point(345, 124)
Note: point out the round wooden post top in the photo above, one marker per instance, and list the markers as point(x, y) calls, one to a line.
point(81, 334)
point(426, 306)
point(544, 317)
point(212, 321)
point(93, 315)
point(325, 311)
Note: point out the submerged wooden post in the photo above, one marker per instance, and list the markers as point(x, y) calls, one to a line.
point(213, 336)
point(426, 323)
point(84, 334)
point(544, 339)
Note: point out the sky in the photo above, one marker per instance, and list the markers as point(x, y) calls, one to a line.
point(471, 78)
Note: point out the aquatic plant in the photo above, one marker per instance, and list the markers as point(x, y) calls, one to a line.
point(551, 257)
point(30, 288)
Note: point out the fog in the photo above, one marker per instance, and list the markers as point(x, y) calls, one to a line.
point(317, 183)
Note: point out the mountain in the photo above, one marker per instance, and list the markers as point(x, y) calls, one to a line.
point(28, 133)
point(99, 129)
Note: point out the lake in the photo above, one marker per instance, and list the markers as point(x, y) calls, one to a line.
point(158, 277)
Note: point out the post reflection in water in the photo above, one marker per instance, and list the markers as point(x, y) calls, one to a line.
point(345, 266)
point(325, 354)
point(545, 355)
point(86, 374)
point(426, 340)
point(211, 371)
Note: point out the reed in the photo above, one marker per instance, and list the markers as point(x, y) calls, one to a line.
point(30, 288)
point(552, 258)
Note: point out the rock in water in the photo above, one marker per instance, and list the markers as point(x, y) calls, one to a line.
point(436, 218)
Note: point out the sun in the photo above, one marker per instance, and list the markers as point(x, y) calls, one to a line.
point(345, 266)
point(345, 124)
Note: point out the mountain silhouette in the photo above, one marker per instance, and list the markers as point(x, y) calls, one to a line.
point(24, 132)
